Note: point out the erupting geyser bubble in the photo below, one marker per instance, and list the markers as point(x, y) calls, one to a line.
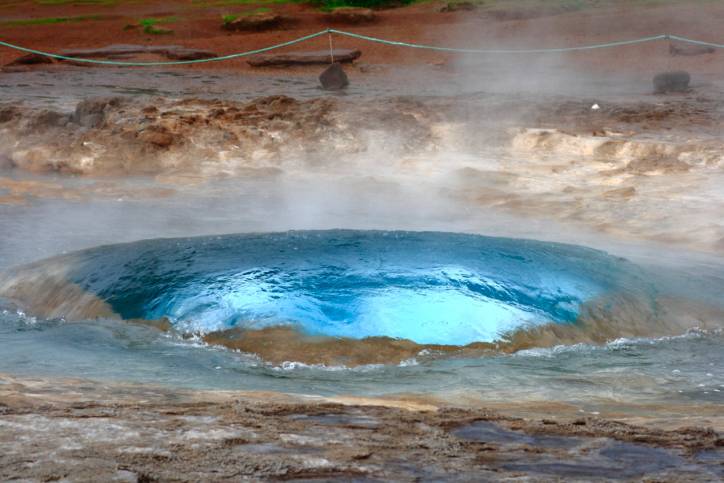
point(429, 288)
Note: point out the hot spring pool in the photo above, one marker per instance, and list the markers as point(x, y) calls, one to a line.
point(429, 288)
point(558, 322)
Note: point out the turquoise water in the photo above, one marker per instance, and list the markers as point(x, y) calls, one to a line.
point(430, 288)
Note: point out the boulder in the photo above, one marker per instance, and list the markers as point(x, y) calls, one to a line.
point(674, 81)
point(255, 23)
point(334, 78)
point(320, 57)
point(351, 15)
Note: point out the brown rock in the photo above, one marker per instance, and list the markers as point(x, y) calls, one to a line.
point(351, 15)
point(320, 57)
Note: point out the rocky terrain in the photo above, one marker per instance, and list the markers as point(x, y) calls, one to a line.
point(114, 136)
point(85, 431)
point(556, 158)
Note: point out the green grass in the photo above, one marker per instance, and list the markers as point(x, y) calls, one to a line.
point(227, 19)
point(24, 22)
point(149, 25)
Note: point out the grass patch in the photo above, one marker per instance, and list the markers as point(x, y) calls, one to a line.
point(227, 19)
point(149, 25)
point(50, 20)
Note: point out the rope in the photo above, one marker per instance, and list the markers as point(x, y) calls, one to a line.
point(501, 51)
point(369, 39)
point(696, 42)
point(172, 62)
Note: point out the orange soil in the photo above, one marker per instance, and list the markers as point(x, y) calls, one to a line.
point(199, 27)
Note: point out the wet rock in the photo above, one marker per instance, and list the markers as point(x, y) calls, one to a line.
point(351, 15)
point(334, 78)
point(320, 57)
point(255, 23)
point(91, 113)
point(690, 50)
point(674, 81)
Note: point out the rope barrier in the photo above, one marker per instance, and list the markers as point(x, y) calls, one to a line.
point(500, 51)
point(171, 62)
point(368, 38)
point(696, 42)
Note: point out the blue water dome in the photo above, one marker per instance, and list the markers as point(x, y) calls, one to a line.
point(428, 287)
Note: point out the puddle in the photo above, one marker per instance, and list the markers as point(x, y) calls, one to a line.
point(487, 432)
point(577, 457)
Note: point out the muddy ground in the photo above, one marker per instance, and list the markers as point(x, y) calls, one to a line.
point(81, 431)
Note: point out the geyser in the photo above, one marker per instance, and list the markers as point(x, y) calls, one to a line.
point(430, 288)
